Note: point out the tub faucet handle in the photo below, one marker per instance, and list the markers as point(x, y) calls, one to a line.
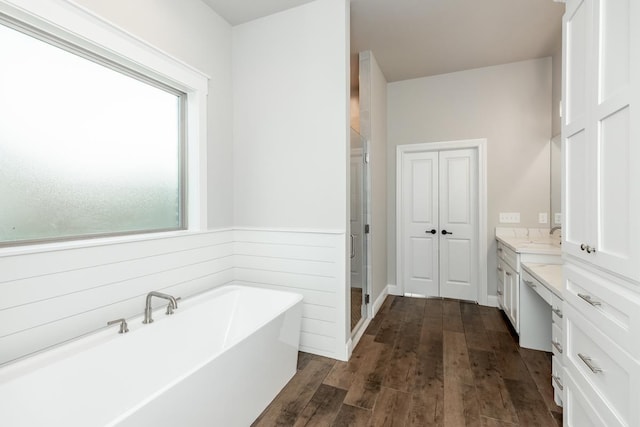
point(170, 306)
point(124, 328)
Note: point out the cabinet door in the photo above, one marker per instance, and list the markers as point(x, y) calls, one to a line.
point(511, 301)
point(500, 291)
point(615, 121)
point(579, 203)
point(601, 87)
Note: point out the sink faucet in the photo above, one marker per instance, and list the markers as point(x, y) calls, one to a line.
point(557, 227)
point(173, 303)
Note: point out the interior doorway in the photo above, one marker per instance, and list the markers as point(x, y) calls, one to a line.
point(441, 228)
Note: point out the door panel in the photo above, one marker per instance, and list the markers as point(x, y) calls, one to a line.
point(356, 220)
point(458, 213)
point(420, 216)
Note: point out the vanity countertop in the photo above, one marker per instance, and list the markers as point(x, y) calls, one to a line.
point(532, 245)
point(550, 275)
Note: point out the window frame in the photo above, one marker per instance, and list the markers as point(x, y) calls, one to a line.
point(71, 27)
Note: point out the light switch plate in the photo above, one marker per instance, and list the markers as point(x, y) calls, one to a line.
point(509, 217)
point(557, 218)
point(542, 218)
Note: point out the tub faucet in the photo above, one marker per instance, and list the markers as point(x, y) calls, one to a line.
point(557, 227)
point(173, 303)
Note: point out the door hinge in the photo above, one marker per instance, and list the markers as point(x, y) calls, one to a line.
point(367, 229)
point(366, 298)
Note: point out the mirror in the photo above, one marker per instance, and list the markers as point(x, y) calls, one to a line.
point(556, 167)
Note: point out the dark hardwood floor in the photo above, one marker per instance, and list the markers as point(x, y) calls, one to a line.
point(423, 362)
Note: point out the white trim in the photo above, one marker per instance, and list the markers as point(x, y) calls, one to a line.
point(481, 146)
point(291, 230)
point(394, 290)
point(71, 22)
point(380, 300)
point(102, 241)
point(355, 339)
point(492, 301)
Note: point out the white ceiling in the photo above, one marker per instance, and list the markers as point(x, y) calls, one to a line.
point(416, 38)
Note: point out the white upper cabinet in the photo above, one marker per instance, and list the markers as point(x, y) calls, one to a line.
point(601, 133)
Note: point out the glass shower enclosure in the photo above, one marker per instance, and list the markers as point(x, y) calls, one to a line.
point(358, 230)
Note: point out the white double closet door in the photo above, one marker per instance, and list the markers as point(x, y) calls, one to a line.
point(439, 225)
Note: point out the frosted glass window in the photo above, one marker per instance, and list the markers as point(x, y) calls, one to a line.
point(85, 150)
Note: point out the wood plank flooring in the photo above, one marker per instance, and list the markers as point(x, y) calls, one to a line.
point(423, 362)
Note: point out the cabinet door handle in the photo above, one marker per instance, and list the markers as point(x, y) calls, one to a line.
point(557, 345)
point(507, 273)
point(499, 249)
point(499, 268)
point(556, 379)
point(446, 232)
point(587, 361)
point(499, 292)
point(583, 247)
point(590, 300)
point(432, 231)
point(353, 247)
point(529, 283)
point(557, 311)
point(591, 250)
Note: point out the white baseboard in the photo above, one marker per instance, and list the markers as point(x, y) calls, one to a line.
point(379, 301)
point(394, 290)
point(492, 301)
point(354, 340)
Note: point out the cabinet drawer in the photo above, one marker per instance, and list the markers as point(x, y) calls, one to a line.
point(539, 288)
point(613, 308)
point(557, 343)
point(557, 379)
point(598, 363)
point(580, 411)
point(509, 256)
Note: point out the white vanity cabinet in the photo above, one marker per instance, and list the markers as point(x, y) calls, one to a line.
point(601, 208)
point(512, 252)
point(508, 278)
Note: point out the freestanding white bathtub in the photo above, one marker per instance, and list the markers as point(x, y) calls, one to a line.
point(218, 361)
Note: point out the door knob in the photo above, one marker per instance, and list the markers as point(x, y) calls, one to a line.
point(446, 232)
point(432, 231)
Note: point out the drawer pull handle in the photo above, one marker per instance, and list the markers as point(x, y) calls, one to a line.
point(587, 361)
point(499, 268)
point(587, 248)
point(557, 381)
point(507, 273)
point(590, 300)
point(557, 345)
point(530, 284)
point(557, 311)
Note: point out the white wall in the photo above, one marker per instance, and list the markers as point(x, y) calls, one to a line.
point(59, 292)
point(510, 105)
point(291, 118)
point(291, 124)
point(192, 32)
